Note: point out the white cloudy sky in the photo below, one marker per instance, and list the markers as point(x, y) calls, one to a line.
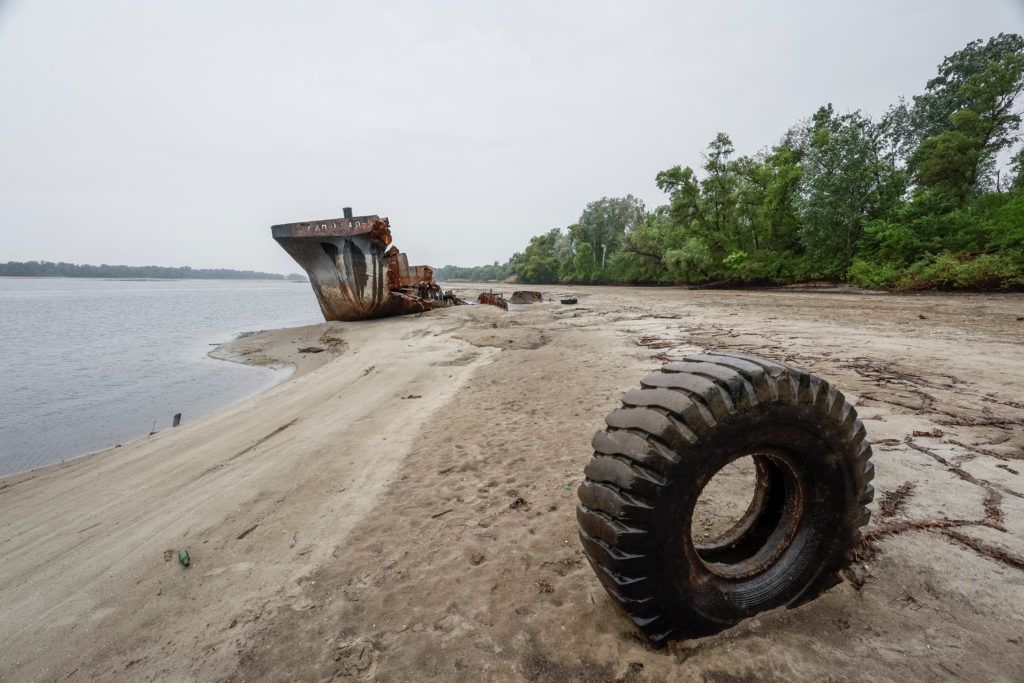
point(176, 133)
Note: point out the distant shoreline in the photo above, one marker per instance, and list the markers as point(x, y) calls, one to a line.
point(120, 271)
point(149, 279)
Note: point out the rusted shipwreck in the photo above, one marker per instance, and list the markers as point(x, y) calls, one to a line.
point(493, 298)
point(354, 273)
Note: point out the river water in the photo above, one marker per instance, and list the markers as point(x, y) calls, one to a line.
point(86, 364)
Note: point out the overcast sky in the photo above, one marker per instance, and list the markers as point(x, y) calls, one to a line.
point(176, 133)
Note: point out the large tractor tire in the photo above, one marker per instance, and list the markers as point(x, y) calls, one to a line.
point(687, 422)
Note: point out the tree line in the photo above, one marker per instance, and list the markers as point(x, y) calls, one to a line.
point(928, 195)
point(62, 269)
point(496, 272)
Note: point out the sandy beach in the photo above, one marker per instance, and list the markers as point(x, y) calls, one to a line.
point(402, 508)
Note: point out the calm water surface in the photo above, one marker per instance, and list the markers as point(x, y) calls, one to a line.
point(86, 364)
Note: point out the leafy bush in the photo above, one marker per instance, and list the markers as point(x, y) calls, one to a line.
point(950, 270)
point(629, 268)
point(873, 274)
point(690, 262)
point(735, 263)
point(1008, 224)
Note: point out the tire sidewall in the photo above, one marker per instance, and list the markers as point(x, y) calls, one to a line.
point(824, 463)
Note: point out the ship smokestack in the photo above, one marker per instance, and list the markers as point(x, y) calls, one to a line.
point(348, 211)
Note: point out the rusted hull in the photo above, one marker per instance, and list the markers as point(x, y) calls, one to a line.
point(492, 299)
point(347, 275)
point(353, 273)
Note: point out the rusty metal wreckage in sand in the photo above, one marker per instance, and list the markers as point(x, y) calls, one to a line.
point(354, 273)
point(657, 453)
point(356, 276)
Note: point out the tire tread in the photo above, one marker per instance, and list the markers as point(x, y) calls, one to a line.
point(657, 425)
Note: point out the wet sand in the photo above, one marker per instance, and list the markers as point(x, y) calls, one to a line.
point(402, 508)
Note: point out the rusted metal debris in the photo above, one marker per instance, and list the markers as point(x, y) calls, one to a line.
point(492, 299)
point(526, 297)
point(354, 274)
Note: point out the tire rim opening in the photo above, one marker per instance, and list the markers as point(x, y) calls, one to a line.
point(747, 514)
point(724, 501)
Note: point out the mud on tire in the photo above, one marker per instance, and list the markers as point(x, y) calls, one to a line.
point(671, 436)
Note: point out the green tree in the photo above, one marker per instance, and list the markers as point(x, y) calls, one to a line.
point(916, 198)
point(718, 190)
point(1017, 165)
point(691, 261)
point(584, 265)
point(944, 94)
point(538, 262)
point(642, 255)
point(846, 181)
point(683, 190)
point(959, 162)
point(604, 223)
point(780, 195)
